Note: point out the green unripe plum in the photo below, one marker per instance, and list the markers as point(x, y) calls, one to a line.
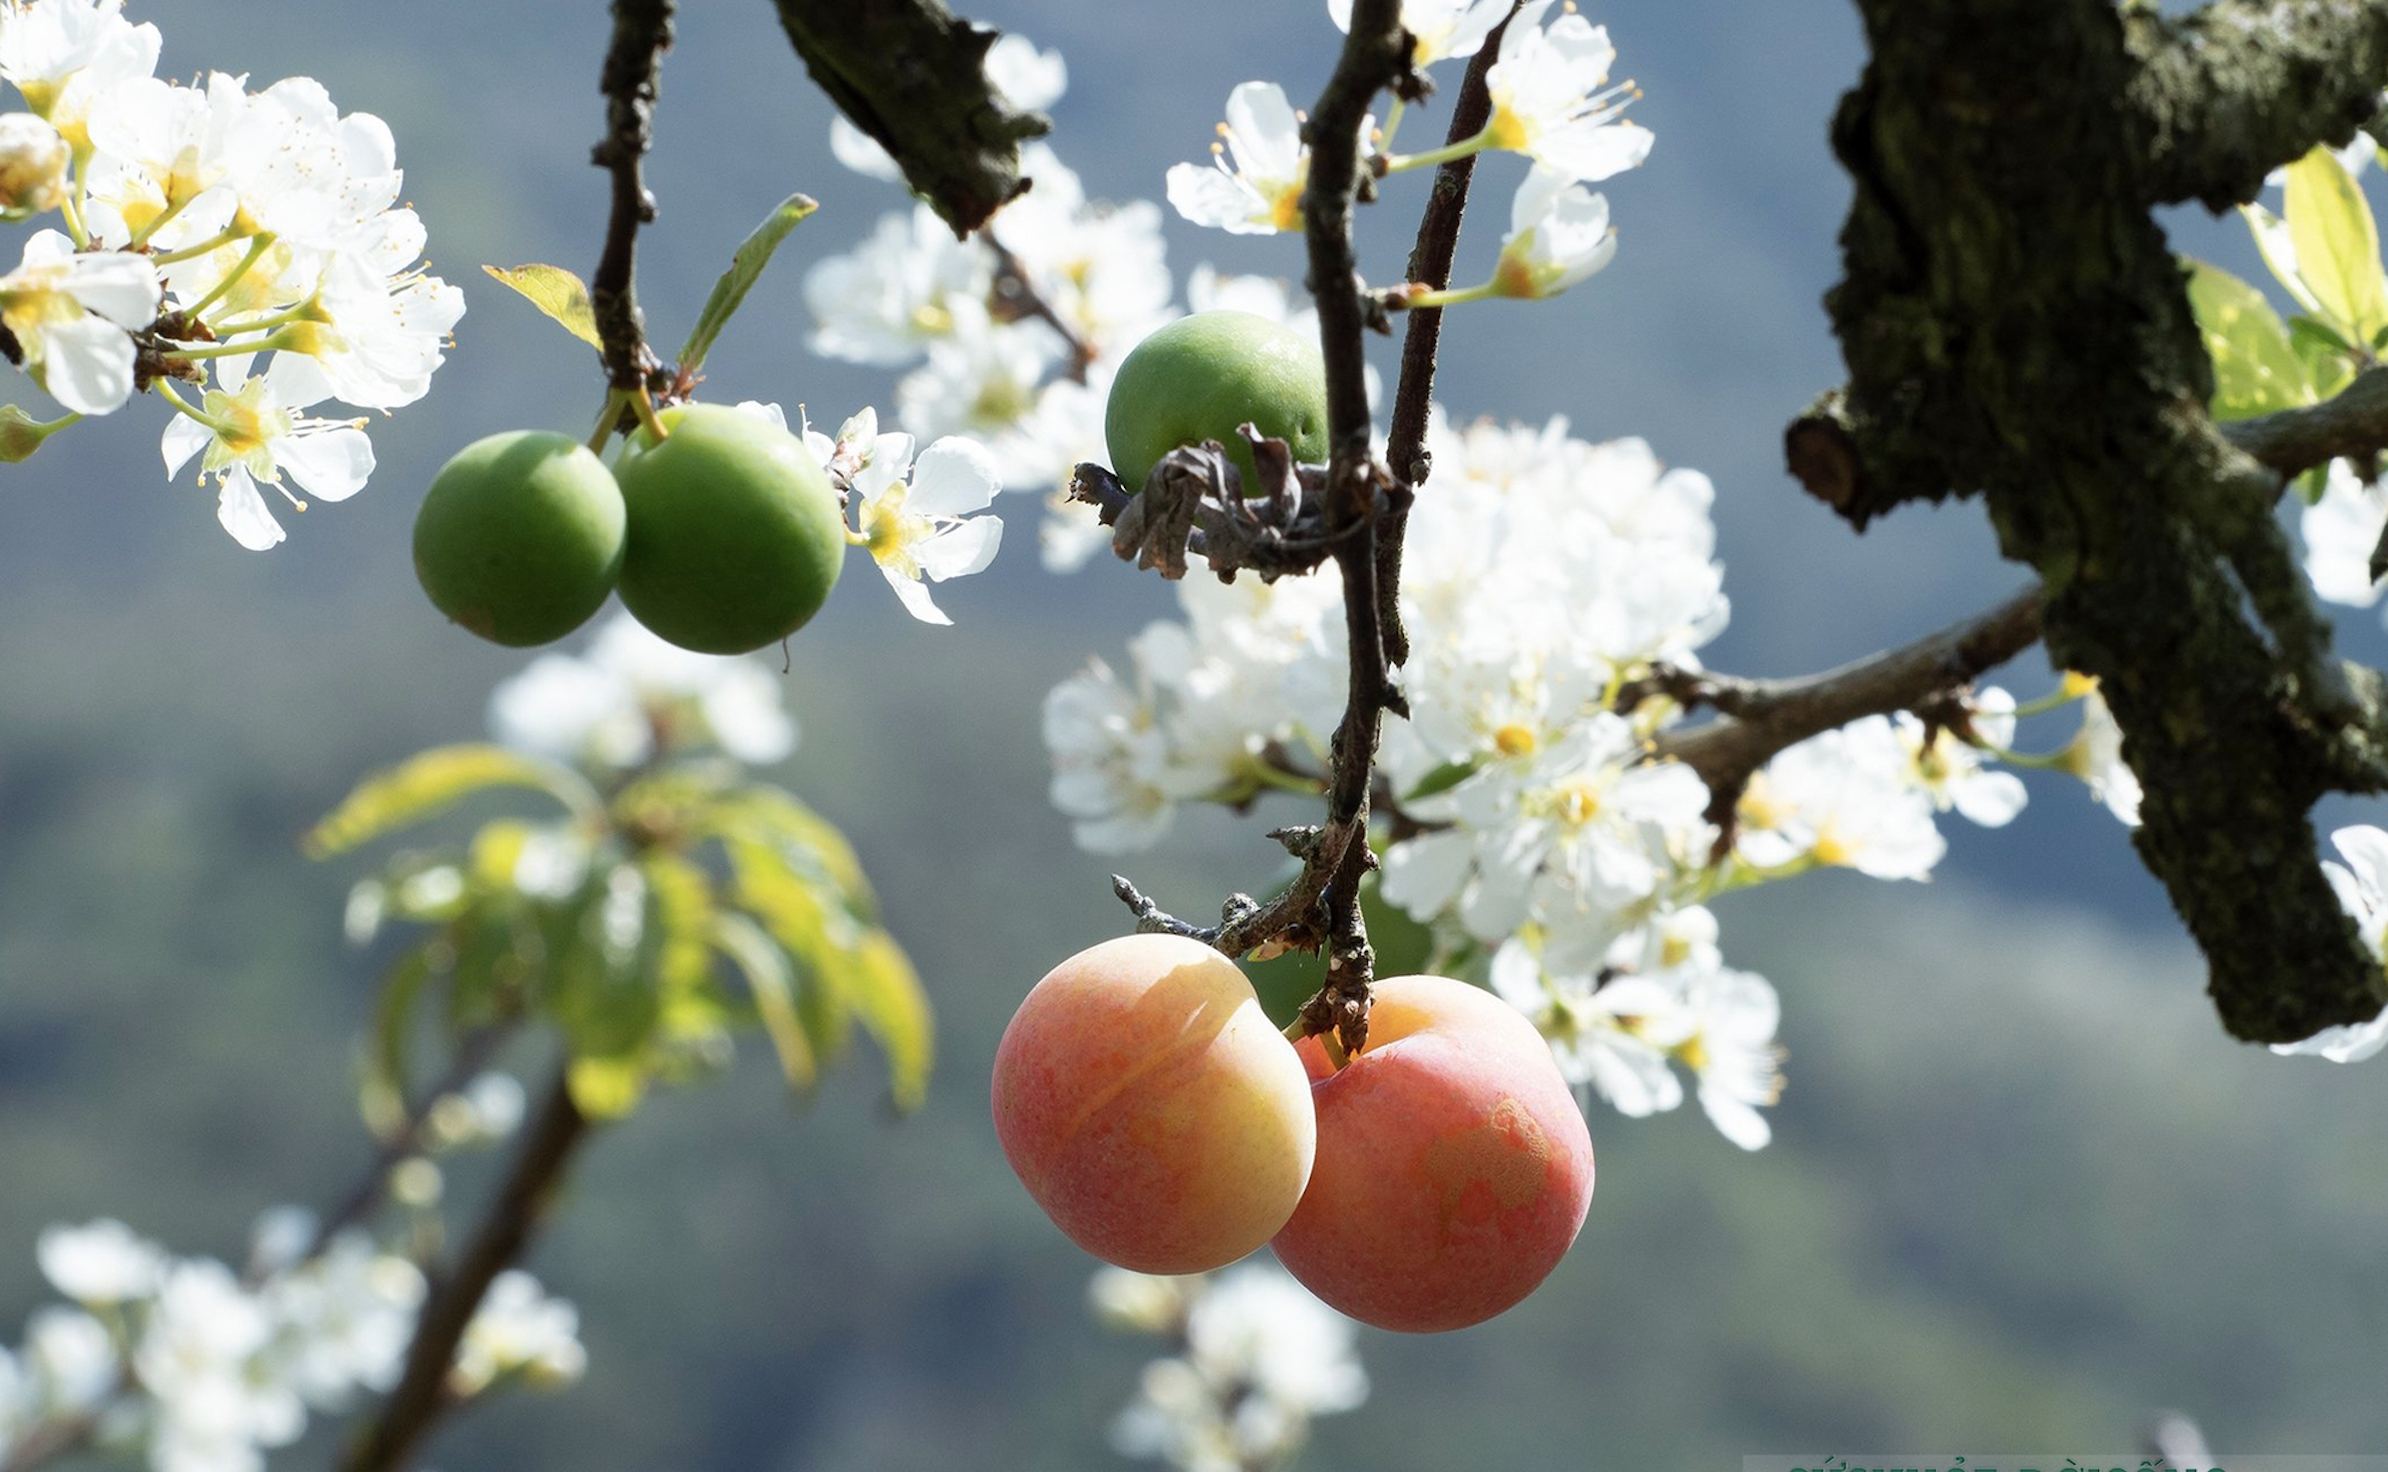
point(1201, 376)
point(735, 535)
point(520, 537)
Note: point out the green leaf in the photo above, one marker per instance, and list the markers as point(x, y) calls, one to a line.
point(2312, 484)
point(2256, 367)
point(2279, 252)
point(2337, 244)
point(809, 841)
point(383, 1090)
point(422, 785)
point(603, 985)
point(557, 292)
point(895, 1012)
point(773, 988)
point(804, 916)
point(745, 267)
point(2330, 364)
point(606, 1088)
point(1442, 779)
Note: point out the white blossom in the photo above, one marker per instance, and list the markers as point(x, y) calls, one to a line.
point(1843, 798)
point(248, 430)
point(1260, 191)
point(2096, 757)
point(2361, 884)
point(1551, 100)
point(519, 1329)
point(606, 705)
point(102, 1262)
point(2340, 532)
point(1558, 236)
point(1439, 28)
point(73, 314)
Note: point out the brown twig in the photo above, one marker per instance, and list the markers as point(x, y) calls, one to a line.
point(513, 1214)
point(1762, 717)
point(364, 1198)
point(1018, 297)
point(1320, 908)
point(642, 33)
point(1422, 336)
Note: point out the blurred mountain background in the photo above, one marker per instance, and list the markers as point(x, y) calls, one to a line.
point(2023, 1189)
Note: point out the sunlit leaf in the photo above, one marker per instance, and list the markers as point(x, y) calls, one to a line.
point(812, 927)
point(768, 981)
point(746, 265)
point(2272, 242)
point(606, 1088)
point(895, 1012)
point(2256, 368)
point(766, 814)
point(425, 784)
point(2337, 244)
point(563, 296)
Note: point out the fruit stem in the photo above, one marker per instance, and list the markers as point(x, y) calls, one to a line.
point(644, 407)
point(607, 418)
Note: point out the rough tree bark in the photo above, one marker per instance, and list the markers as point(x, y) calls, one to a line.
point(2016, 328)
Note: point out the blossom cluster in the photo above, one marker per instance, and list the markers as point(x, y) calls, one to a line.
point(1257, 1359)
point(198, 1367)
point(248, 246)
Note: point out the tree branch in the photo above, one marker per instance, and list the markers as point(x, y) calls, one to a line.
point(1422, 335)
point(2019, 329)
point(1759, 718)
point(514, 1213)
point(2227, 94)
point(1824, 446)
point(911, 75)
point(642, 33)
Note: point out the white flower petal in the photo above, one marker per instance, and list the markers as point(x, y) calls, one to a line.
point(243, 512)
point(959, 551)
point(953, 477)
point(914, 595)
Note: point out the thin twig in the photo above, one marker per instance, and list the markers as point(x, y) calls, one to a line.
point(1430, 264)
point(1764, 717)
point(642, 33)
point(514, 1213)
point(365, 1197)
point(1019, 296)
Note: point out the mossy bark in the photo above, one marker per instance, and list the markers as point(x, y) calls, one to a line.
point(2016, 328)
point(913, 76)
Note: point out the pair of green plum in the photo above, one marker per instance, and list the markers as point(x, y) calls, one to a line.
point(725, 536)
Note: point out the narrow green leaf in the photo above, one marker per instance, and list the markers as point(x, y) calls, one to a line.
point(2279, 252)
point(745, 267)
point(2330, 365)
point(2337, 244)
point(895, 1012)
point(815, 930)
point(768, 981)
point(1441, 779)
point(422, 785)
point(768, 815)
point(2256, 368)
point(558, 293)
point(383, 1091)
point(2312, 484)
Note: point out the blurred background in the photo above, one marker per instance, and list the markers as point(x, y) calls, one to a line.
point(2023, 1190)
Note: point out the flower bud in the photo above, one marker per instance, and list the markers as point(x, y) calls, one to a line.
point(34, 160)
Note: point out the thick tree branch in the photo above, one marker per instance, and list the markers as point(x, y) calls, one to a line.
point(1759, 718)
point(642, 33)
point(914, 77)
point(2015, 326)
point(514, 1213)
point(2234, 90)
point(1823, 447)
